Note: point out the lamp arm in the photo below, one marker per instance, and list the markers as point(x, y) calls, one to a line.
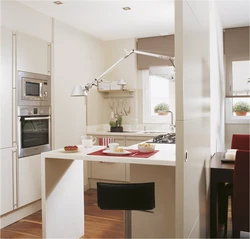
point(99, 78)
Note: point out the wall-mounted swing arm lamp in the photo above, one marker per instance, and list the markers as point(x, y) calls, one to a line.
point(82, 90)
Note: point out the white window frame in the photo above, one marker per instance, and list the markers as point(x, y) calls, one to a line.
point(147, 117)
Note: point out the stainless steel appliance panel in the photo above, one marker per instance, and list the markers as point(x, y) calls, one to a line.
point(34, 130)
point(33, 89)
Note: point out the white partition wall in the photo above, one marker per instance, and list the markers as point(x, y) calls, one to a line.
point(192, 116)
point(217, 82)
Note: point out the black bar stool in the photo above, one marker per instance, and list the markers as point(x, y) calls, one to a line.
point(126, 196)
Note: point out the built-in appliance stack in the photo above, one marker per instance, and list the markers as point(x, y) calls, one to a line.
point(33, 113)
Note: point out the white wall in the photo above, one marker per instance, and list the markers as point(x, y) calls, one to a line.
point(192, 117)
point(217, 81)
point(78, 58)
point(114, 50)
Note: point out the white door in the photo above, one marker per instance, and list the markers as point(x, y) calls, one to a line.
point(192, 118)
point(6, 89)
point(33, 54)
point(8, 180)
point(29, 179)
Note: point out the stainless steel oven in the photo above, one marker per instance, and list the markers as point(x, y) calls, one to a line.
point(34, 127)
point(33, 89)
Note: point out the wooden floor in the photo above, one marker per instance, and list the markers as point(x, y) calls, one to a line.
point(98, 223)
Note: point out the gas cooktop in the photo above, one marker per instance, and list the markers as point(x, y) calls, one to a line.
point(168, 138)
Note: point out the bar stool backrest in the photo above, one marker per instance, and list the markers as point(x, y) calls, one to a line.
point(126, 196)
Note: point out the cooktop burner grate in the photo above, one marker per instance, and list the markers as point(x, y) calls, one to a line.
point(168, 138)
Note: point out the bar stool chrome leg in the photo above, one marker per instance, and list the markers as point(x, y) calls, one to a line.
point(127, 224)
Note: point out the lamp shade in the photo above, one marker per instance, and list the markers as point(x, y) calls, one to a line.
point(79, 90)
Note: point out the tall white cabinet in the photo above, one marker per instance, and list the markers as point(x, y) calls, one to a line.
point(7, 136)
point(20, 177)
point(33, 54)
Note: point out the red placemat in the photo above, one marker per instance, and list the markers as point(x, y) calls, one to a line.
point(134, 154)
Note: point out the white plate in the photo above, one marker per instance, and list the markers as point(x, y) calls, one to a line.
point(73, 151)
point(116, 153)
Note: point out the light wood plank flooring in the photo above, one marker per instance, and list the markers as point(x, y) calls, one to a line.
point(98, 223)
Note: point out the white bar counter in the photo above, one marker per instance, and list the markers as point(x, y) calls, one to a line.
point(63, 194)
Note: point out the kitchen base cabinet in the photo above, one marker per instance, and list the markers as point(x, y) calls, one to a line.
point(29, 179)
point(100, 171)
point(130, 140)
point(7, 157)
point(108, 171)
point(18, 214)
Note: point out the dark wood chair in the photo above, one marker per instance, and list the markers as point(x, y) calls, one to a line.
point(126, 196)
point(240, 142)
point(240, 208)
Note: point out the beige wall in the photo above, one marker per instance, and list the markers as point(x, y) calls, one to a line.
point(78, 58)
point(98, 107)
point(235, 129)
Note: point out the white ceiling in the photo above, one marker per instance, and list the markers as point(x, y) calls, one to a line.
point(107, 20)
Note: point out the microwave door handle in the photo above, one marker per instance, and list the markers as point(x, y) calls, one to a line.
point(37, 118)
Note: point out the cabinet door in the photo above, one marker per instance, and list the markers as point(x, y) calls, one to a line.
point(110, 170)
point(120, 141)
point(7, 157)
point(33, 54)
point(6, 89)
point(29, 179)
point(136, 140)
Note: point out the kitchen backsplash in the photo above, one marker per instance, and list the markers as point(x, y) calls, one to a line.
point(140, 127)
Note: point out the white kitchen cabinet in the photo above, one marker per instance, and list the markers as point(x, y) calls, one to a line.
point(8, 180)
point(131, 140)
point(6, 107)
point(114, 171)
point(111, 170)
point(29, 179)
point(33, 54)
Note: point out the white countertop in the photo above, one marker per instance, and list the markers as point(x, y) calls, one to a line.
point(165, 156)
point(147, 133)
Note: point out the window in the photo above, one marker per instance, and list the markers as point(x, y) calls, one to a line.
point(237, 76)
point(238, 88)
point(231, 115)
point(158, 87)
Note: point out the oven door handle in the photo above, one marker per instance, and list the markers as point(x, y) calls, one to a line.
point(37, 118)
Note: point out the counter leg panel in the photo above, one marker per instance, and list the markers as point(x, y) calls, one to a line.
point(62, 198)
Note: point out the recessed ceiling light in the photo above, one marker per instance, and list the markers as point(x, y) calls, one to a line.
point(58, 2)
point(126, 8)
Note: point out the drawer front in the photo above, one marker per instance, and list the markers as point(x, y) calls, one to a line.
point(109, 171)
point(136, 140)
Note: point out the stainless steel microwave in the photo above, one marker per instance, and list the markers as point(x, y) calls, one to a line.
point(33, 89)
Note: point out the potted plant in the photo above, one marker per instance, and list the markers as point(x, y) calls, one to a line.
point(241, 108)
point(116, 125)
point(161, 108)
